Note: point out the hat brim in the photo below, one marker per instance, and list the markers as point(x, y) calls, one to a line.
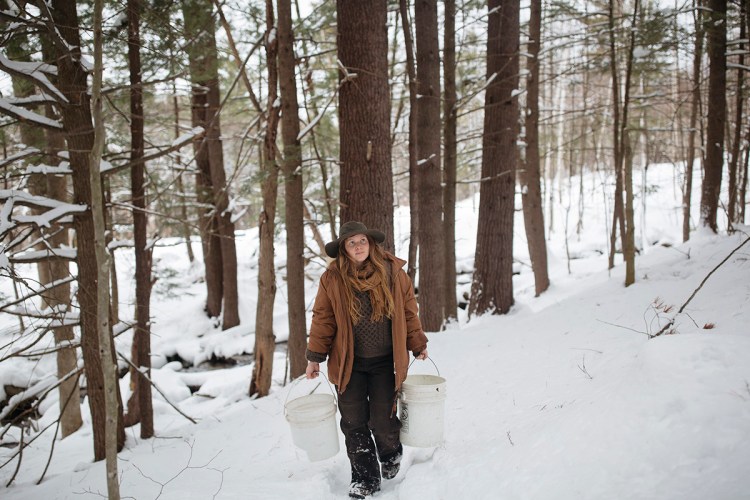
point(332, 247)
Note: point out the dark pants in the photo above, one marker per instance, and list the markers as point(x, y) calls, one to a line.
point(367, 410)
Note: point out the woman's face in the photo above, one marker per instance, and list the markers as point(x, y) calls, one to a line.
point(357, 248)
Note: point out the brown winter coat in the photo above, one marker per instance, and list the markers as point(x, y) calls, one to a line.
point(331, 330)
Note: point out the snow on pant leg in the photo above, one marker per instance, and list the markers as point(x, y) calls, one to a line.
point(384, 422)
point(355, 411)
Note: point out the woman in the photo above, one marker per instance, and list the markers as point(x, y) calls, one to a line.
point(365, 321)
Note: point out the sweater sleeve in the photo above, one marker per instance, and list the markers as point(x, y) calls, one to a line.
point(323, 326)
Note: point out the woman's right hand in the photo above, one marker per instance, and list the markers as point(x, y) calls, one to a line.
point(312, 370)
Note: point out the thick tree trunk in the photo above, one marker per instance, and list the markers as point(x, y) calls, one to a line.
point(77, 123)
point(717, 82)
point(294, 214)
point(54, 187)
point(59, 298)
point(140, 403)
point(687, 191)
point(492, 283)
point(366, 192)
point(210, 182)
point(449, 162)
point(265, 341)
point(431, 249)
point(533, 214)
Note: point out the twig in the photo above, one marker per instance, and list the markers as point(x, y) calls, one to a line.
point(20, 457)
point(583, 368)
point(509, 439)
point(132, 365)
point(682, 308)
point(57, 428)
point(623, 327)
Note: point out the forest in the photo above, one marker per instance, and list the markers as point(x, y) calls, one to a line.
point(131, 125)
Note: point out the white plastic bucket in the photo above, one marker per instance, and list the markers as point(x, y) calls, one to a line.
point(313, 424)
point(422, 410)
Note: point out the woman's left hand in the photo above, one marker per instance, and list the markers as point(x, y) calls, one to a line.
point(422, 355)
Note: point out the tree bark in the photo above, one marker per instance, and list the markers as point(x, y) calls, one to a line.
point(714, 163)
point(492, 283)
point(366, 183)
point(77, 123)
point(694, 107)
point(265, 341)
point(294, 208)
point(732, 203)
point(219, 249)
point(533, 214)
point(106, 342)
point(411, 268)
point(449, 162)
point(628, 242)
point(618, 214)
point(139, 406)
point(431, 250)
point(49, 270)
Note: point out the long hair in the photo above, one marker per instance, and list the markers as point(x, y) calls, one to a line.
point(372, 277)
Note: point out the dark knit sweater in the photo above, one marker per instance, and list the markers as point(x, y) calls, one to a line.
point(371, 339)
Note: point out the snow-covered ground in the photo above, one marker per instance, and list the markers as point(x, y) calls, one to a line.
point(566, 397)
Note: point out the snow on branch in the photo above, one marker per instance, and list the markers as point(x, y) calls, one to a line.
point(36, 72)
point(28, 116)
point(178, 143)
point(32, 256)
point(32, 100)
point(19, 156)
point(30, 200)
point(40, 291)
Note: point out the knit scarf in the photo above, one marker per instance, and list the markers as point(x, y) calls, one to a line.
point(365, 279)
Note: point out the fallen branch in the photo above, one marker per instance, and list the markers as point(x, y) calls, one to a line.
point(132, 365)
point(682, 308)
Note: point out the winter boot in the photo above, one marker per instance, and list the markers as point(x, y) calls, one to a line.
point(392, 464)
point(362, 489)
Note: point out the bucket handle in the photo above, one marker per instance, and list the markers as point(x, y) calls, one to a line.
point(296, 381)
point(431, 361)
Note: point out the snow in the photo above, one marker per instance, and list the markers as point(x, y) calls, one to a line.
point(189, 136)
point(565, 397)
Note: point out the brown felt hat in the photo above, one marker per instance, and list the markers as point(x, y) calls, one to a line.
point(349, 229)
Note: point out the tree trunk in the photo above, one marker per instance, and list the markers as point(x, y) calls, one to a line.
point(106, 348)
point(628, 242)
point(687, 191)
point(413, 151)
point(54, 187)
point(184, 222)
point(265, 341)
point(492, 283)
point(533, 214)
point(294, 213)
point(738, 112)
point(714, 163)
point(77, 123)
point(366, 192)
point(196, 20)
point(141, 351)
point(449, 162)
point(431, 249)
point(618, 215)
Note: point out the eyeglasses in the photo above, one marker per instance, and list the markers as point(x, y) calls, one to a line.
point(357, 243)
